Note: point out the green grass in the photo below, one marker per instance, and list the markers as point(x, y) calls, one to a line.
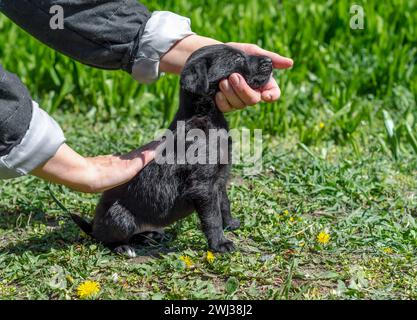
point(355, 177)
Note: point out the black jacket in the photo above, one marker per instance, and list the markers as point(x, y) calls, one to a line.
point(107, 34)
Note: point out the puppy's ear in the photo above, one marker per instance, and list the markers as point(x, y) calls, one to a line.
point(194, 78)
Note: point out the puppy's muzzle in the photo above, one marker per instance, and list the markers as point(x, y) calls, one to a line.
point(265, 65)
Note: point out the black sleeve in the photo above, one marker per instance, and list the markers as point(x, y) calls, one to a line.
point(28, 135)
point(15, 111)
point(103, 34)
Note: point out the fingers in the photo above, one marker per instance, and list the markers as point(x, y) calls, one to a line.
point(142, 160)
point(278, 61)
point(249, 96)
point(229, 94)
point(235, 93)
point(271, 95)
point(271, 91)
point(112, 171)
point(222, 103)
point(135, 164)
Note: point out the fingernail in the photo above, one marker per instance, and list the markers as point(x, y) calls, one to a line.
point(235, 79)
point(224, 85)
point(266, 96)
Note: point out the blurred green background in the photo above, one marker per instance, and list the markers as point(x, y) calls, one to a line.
point(341, 81)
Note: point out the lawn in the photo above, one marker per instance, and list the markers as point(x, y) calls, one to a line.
point(333, 213)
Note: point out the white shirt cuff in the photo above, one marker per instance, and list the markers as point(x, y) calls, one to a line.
point(39, 144)
point(161, 32)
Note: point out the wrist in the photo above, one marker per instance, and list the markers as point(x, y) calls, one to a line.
point(174, 60)
point(93, 174)
point(70, 169)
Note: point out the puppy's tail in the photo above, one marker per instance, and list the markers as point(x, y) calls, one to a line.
point(80, 222)
point(83, 224)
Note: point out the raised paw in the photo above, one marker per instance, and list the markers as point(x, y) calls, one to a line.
point(125, 250)
point(223, 246)
point(232, 224)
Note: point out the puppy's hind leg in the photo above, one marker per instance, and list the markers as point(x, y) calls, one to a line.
point(229, 223)
point(114, 228)
point(125, 250)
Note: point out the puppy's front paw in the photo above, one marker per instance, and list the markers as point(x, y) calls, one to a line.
point(232, 224)
point(125, 250)
point(223, 246)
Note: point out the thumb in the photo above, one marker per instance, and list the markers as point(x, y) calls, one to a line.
point(141, 160)
point(280, 62)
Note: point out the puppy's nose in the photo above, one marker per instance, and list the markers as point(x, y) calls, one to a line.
point(266, 62)
point(265, 65)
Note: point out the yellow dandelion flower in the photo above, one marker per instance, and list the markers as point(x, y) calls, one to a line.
point(292, 219)
point(323, 237)
point(87, 289)
point(210, 257)
point(187, 260)
point(286, 212)
point(387, 250)
point(321, 125)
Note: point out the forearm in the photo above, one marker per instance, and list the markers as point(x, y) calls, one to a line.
point(92, 174)
point(68, 168)
point(32, 142)
point(109, 34)
point(96, 34)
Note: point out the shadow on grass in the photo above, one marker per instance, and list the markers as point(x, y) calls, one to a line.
point(25, 231)
point(26, 225)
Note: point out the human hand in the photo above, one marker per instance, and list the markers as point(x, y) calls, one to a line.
point(93, 174)
point(235, 93)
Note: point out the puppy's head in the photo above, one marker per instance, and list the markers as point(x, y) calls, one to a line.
point(209, 65)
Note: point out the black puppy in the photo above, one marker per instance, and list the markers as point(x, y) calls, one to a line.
point(161, 194)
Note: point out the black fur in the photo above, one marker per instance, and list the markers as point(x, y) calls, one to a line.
point(84, 225)
point(164, 193)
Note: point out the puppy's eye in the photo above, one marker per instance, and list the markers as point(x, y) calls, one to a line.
point(239, 59)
